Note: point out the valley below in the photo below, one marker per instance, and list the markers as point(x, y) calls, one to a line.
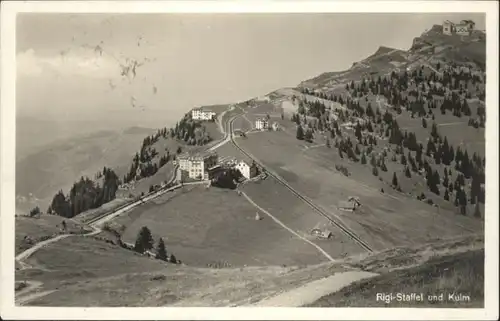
point(367, 180)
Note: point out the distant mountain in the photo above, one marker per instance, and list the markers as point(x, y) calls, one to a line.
point(56, 166)
point(431, 46)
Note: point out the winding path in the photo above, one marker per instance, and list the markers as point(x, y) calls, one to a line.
point(323, 252)
point(98, 221)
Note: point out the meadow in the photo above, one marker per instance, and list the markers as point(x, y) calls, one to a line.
point(41, 228)
point(460, 274)
point(384, 220)
point(210, 226)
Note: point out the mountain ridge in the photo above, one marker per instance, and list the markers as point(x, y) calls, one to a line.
point(350, 117)
point(430, 45)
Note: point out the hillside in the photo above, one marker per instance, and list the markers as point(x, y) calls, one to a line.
point(386, 158)
point(432, 105)
point(108, 276)
point(137, 155)
point(41, 174)
point(152, 163)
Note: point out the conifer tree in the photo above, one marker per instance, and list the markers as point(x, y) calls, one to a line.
point(144, 240)
point(300, 133)
point(394, 180)
point(407, 172)
point(434, 131)
point(363, 158)
point(161, 251)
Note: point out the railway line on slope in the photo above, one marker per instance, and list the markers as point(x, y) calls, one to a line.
point(351, 234)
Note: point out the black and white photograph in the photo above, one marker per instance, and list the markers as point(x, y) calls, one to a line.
point(250, 157)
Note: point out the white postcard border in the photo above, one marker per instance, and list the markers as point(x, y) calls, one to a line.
point(7, 161)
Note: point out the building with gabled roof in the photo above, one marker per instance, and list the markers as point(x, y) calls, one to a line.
point(197, 165)
point(350, 205)
point(248, 171)
point(464, 28)
point(261, 124)
point(321, 230)
point(448, 27)
point(202, 114)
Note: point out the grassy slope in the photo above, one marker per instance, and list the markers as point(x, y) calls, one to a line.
point(455, 274)
point(39, 228)
point(169, 145)
point(386, 220)
point(383, 221)
point(297, 215)
point(108, 207)
point(202, 226)
point(87, 272)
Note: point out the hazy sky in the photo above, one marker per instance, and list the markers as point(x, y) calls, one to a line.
point(199, 58)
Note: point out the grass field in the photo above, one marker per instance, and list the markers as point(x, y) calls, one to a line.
point(39, 228)
point(412, 187)
point(81, 259)
point(107, 207)
point(297, 215)
point(85, 272)
point(203, 226)
point(460, 275)
point(384, 220)
point(213, 130)
point(164, 174)
point(92, 273)
point(456, 130)
point(243, 123)
point(228, 150)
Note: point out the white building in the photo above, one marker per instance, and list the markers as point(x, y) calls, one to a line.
point(197, 166)
point(261, 124)
point(464, 28)
point(248, 171)
point(448, 27)
point(201, 114)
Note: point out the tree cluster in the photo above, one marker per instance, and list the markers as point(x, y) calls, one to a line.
point(85, 194)
point(144, 242)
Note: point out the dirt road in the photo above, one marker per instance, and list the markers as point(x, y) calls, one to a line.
point(313, 291)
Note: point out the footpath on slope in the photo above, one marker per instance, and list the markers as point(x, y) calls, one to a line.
point(323, 252)
point(311, 292)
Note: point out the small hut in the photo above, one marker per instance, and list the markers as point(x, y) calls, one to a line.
point(321, 230)
point(350, 205)
point(257, 216)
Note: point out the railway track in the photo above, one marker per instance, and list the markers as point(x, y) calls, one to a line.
point(318, 210)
